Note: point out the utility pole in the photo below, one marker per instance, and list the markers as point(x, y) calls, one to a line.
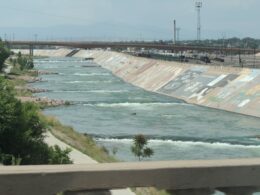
point(198, 6)
point(174, 32)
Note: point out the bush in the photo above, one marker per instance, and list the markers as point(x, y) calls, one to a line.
point(58, 156)
point(140, 149)
point(22, 133)
point(25, 62)
point(4, 54)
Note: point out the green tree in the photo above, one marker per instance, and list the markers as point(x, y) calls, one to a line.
point(25, 62)
point(58, 156)
point(139, 147)
point(4, 54)
point(22, 133)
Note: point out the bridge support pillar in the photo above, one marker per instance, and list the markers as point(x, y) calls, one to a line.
point(31, 50)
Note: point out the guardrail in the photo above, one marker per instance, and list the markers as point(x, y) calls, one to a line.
point(236, 177)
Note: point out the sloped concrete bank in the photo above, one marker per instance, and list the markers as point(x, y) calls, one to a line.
point(226, 88)
point(62, 52)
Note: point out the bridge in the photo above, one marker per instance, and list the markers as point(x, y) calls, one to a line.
point(202, 177)
point(137, 45)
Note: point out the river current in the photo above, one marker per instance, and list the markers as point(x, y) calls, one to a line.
point(113, 111)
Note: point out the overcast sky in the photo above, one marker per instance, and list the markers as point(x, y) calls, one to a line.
point(128, 19)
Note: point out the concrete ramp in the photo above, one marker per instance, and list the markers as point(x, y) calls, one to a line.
point(72, 53)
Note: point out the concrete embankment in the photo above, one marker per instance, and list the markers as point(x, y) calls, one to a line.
point(227, 88)
point(45, 52)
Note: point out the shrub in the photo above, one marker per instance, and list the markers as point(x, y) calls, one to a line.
point(139, 147)
point(4, 54)
point(22, 133)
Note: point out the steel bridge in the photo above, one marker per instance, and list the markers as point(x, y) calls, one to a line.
point(137, 45)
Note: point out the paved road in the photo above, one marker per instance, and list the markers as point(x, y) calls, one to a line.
point(80, 158)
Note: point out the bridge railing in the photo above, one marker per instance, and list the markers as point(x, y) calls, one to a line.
point(236, 177)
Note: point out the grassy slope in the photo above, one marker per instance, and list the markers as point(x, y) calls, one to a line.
point(83, 143)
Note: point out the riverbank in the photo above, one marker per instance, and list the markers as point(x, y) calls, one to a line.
point(84, 143)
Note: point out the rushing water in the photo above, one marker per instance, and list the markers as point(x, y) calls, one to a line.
point(113, 111)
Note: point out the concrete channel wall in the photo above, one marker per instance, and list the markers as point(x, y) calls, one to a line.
point(226, 88)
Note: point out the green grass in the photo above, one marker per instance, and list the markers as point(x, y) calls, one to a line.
point(19, 85)
point(83, 143)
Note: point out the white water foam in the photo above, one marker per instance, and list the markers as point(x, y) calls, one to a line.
point(91, 74)
point(129, 104)
point(107, 91)
point(183, 144)
point(92, 91)
point(75, 82)
point(72, 82)
point(57, 61)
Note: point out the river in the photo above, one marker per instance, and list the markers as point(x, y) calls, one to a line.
point(113, 111)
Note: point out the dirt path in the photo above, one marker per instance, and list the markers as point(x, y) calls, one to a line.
point(80, 158)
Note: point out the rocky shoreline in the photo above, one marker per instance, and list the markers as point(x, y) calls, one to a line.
point(37, 90)
point(26, 78)
point(44, 101)
point(45, 72)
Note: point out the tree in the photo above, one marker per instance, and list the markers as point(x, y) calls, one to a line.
point(139, 147)
point(22, 133)
point(58, 156)
point(25, 62)
point(4, 54)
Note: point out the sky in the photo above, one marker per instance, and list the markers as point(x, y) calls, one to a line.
point(127, 19)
